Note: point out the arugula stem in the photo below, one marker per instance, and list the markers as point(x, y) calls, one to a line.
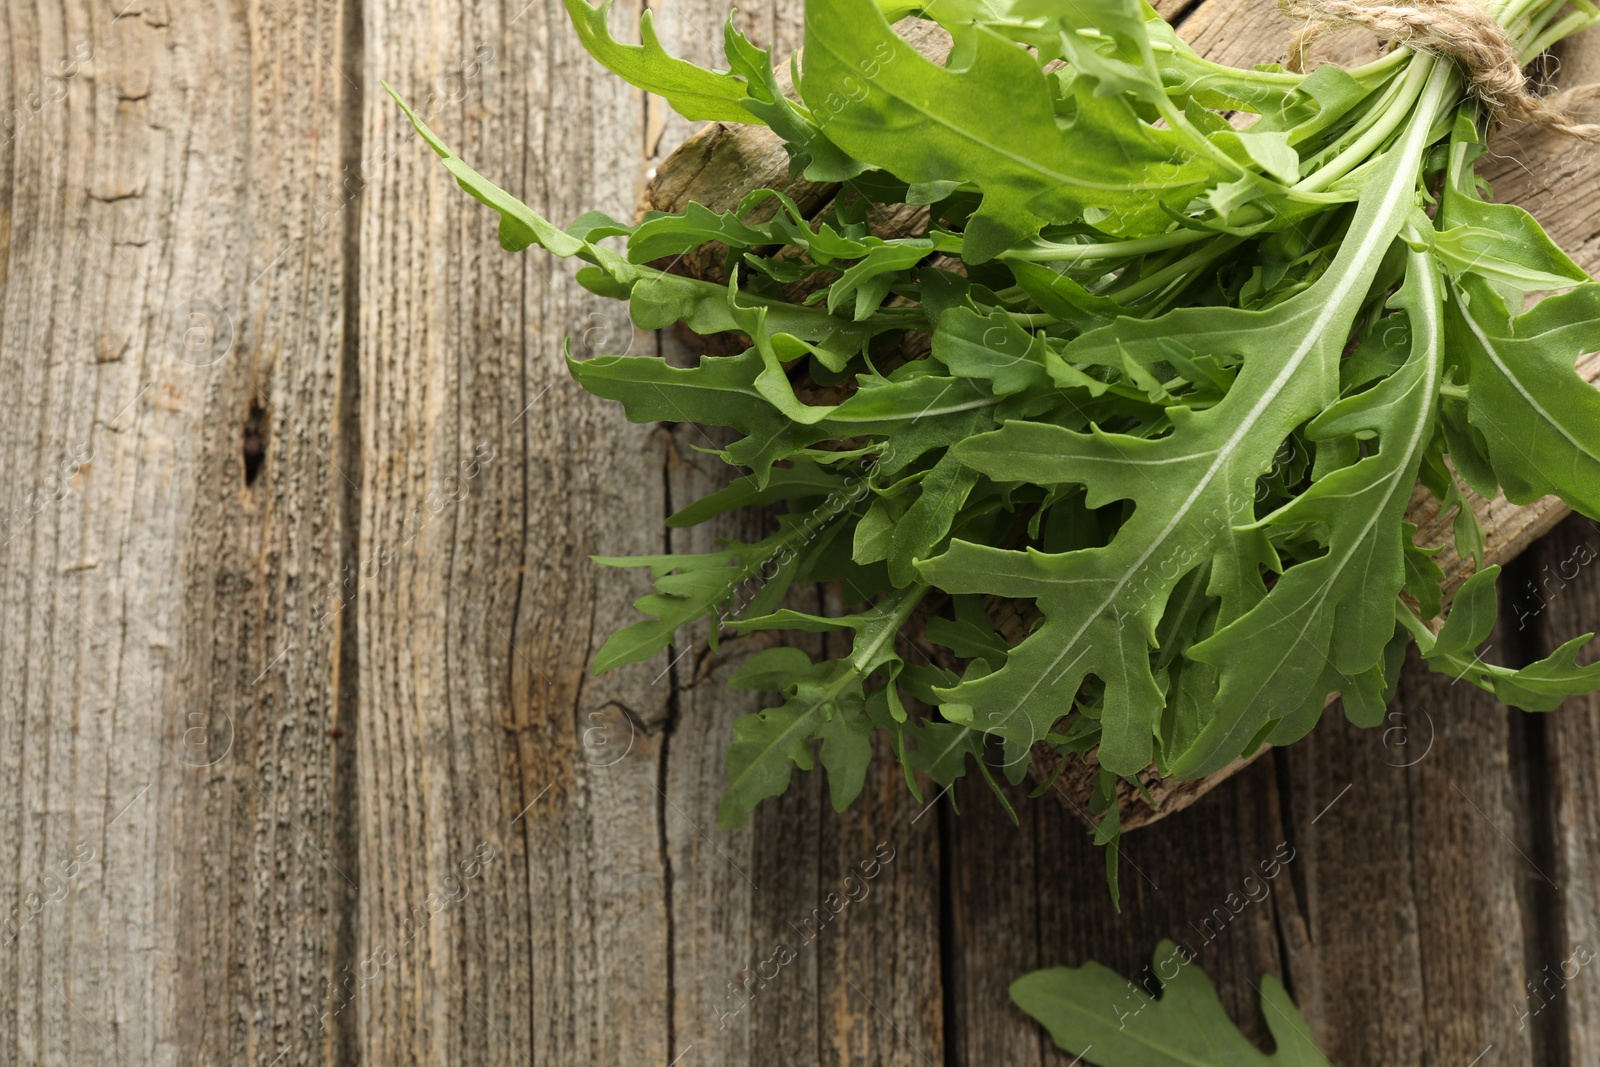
point(1042, 251)
point(1382, 67)
point(1373, 112)
point(1276, 79)
point(1219, 247)
point(1392, 115)
point(1576, 22)
point(904, 603)
point(1032, 319)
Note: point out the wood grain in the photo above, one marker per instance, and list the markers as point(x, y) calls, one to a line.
point(479, 720)
point(1036, 896)
point(1558, 597)
point(298, 615)
point(1414, 836)
point(171, 300)
point(995, 921)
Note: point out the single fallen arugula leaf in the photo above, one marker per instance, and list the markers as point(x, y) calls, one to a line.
point(1170, 382)
point(1095, 1013)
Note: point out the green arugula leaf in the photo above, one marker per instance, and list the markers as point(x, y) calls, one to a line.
point(690, 587)
point(812, 153)
point(1525, 396)
point(803, 479)
point(1472, 616)
point(697, 94)
point(1540, 686)
point(879, 100)
point(1093, 1012)
point(1338, 604)
point(660, 235)
point(520, 226)
point(1545, 685)
point(824, 701)
point(1500, 243)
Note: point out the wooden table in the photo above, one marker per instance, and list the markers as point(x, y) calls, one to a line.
point(300, 761)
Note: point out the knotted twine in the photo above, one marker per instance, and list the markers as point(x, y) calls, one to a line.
point(1460, 30)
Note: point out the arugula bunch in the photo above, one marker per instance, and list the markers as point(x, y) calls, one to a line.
point(1163, 358)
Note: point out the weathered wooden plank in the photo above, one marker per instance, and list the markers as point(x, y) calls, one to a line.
point(1559, 598)
point(742, 979)
point(1394, 911)
point(1393, 908)
point(1412, 880)
point(479, 721)
point(993, 933)
point(880, 985)
point(173, 313)
point(1355, 919)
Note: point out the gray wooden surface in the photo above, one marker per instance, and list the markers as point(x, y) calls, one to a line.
point(300, 761)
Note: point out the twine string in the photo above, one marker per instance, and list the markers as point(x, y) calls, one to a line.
point(1460, 30)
